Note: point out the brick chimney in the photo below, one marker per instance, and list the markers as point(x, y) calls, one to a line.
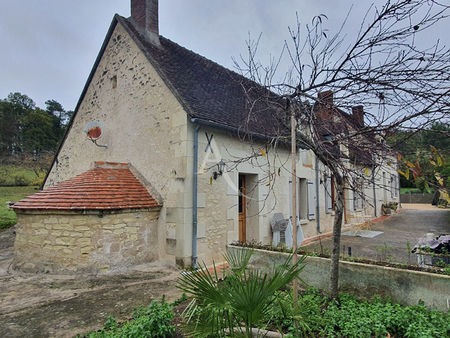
point(144, 14)
point(358, 115)
point(326, 98)
point(324, 105)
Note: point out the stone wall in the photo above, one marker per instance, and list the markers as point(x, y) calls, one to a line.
point(67, 242)
point(143, 124)
point(403, 286)
point(416, 198)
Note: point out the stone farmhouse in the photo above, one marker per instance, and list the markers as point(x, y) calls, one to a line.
point(173, 175)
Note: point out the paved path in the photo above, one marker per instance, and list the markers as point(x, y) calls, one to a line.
point(406, 226)
point(63, 306)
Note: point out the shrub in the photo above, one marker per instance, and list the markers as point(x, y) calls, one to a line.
point(353, 317)
point(242, 298)
point(39, 179)
point(21, 180)
point(154, 320)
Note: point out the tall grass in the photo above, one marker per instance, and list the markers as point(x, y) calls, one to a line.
point(12, 194)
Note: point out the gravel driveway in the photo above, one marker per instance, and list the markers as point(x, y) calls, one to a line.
point(407, 226)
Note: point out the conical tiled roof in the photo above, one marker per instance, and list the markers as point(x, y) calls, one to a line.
point(108, 186)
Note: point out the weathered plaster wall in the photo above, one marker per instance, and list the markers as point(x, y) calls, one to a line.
point(218, 199)
point(143, 124)
point(75, 242)
point(387, 168)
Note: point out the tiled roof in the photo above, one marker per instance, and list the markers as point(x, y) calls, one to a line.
point(108, 186)
point(211, 92)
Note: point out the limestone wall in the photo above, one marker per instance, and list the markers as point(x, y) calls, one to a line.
point(143, 124)
point(218, 199)
point(69, 242)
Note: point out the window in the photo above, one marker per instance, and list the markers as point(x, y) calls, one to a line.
point(358, 194)
point(329, 194)
point(396, 186)
point(303, 211)
point(392, 186)
point(303, 201)
point(311, 200)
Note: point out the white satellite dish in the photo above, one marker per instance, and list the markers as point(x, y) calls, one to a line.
point(94, 130)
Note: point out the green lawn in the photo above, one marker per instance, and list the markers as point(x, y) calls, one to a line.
point(408, 190)
point(13, 194)
point(12, 175)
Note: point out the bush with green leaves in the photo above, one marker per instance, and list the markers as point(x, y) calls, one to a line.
point(21, 180)
point(154, 320)
point(237, 302)
point(353, 317)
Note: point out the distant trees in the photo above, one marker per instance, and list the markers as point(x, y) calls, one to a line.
point(27, 129)
point(425, 156)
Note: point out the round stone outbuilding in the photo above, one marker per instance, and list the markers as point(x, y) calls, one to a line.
point(100, 220)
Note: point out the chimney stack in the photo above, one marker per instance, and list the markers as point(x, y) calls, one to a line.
point(358, 115)
point(325, 98)
point(324, 105)
point(144, 14)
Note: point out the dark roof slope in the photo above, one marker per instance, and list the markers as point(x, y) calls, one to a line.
point(109, 186)
point(211, 92)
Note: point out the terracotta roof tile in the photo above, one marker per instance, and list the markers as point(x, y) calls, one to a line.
point(101, 188)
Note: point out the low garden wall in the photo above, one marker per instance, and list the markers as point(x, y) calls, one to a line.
point(416, 198)
point(406, 287)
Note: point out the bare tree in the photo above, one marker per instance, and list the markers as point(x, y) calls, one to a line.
point(383, 68)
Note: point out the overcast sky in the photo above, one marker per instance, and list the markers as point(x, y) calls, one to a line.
point(48, 47)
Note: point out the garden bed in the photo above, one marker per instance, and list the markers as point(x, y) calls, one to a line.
point(300, 251)
point(403, 286)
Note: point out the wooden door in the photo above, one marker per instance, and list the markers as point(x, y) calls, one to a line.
point(242, 210)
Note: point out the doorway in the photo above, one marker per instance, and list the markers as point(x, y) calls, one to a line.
point(242, 210)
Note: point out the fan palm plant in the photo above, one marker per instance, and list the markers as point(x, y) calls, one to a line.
point(236, 303)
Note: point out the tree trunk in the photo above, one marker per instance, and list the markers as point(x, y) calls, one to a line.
point(339, 211)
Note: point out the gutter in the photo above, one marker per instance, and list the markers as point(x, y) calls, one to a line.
point(317, 196)
point(374, 192)
point(238, 131)
point(194, 197)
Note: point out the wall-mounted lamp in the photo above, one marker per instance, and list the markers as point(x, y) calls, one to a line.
point(220, 169)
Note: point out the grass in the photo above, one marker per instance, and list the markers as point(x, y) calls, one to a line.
point(9, 175)
point(408, 190)
point(13, 194)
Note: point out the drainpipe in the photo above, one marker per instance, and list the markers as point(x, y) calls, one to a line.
point(317, 194)
point(374, 191)
point(194, 197)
